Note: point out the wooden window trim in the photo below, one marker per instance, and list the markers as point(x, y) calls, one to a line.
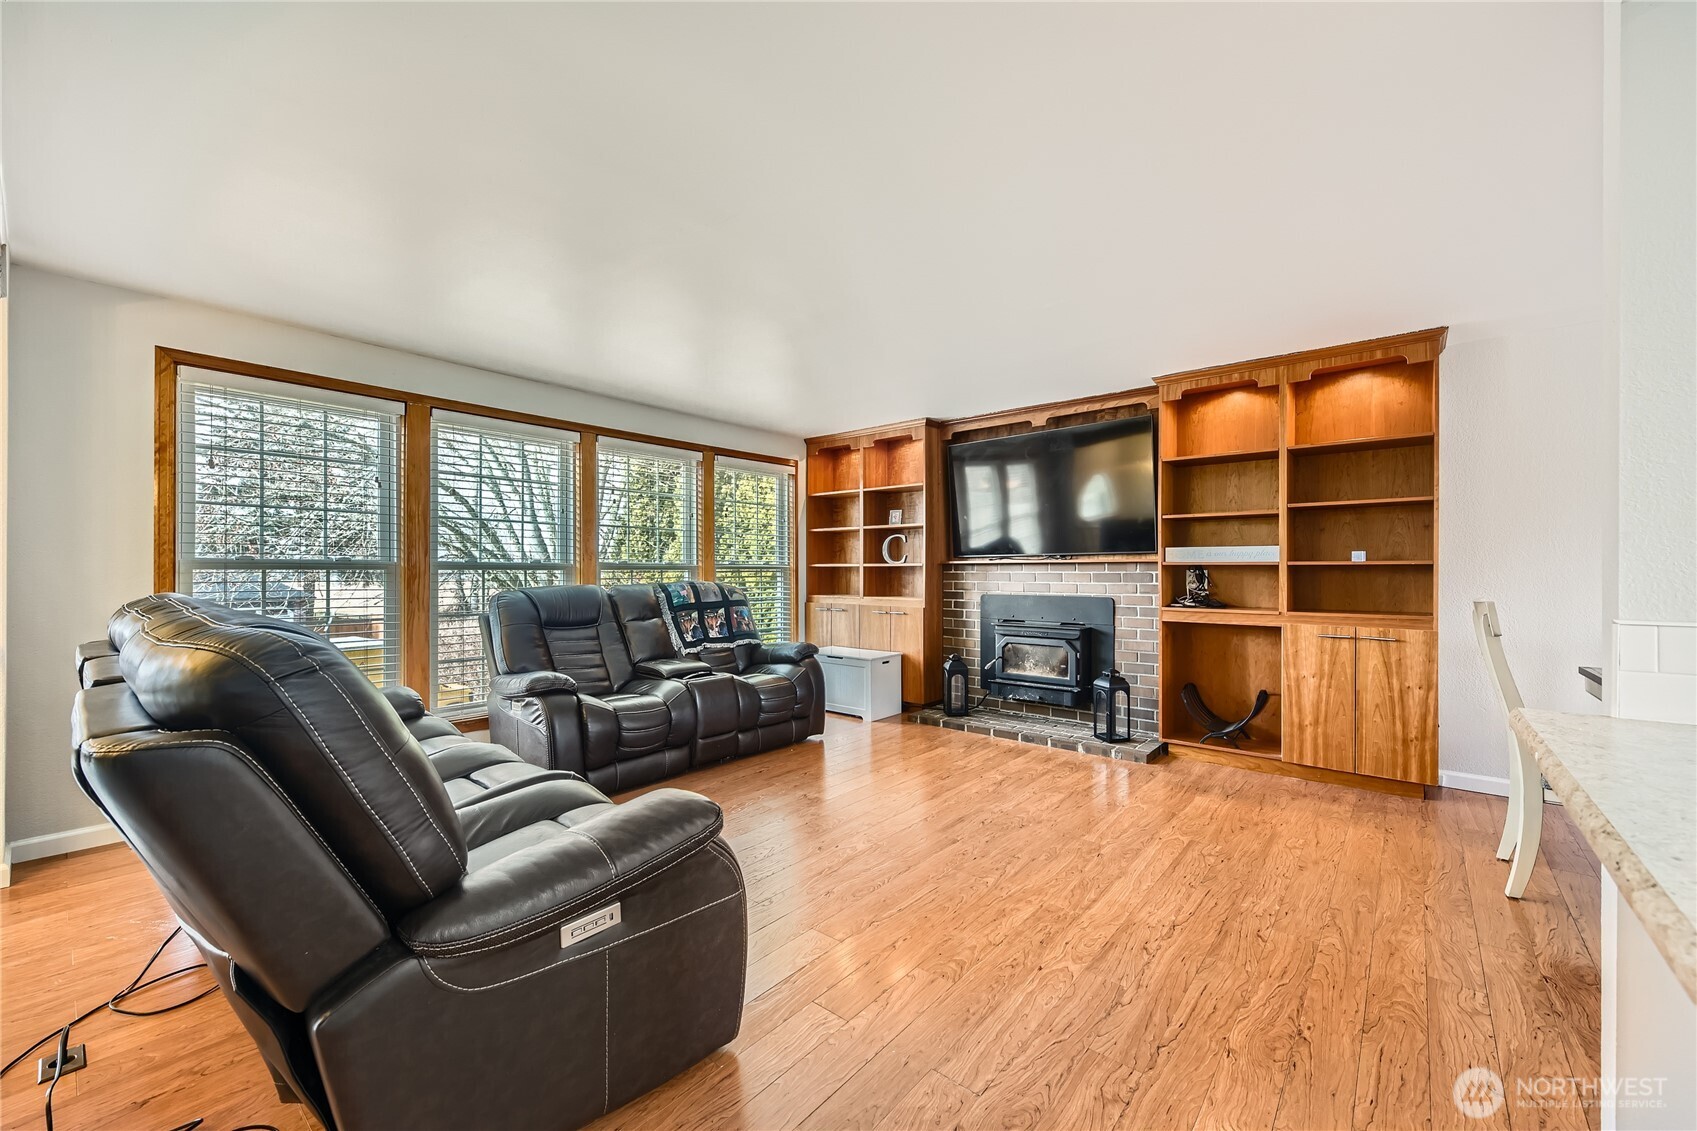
point(415, 487)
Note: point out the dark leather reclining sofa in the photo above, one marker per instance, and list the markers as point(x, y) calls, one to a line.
point(589, 680)
point(416, 929)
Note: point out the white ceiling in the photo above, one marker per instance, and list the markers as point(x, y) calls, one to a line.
point(819, 216)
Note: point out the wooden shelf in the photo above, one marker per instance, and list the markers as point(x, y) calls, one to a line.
point(894, 487)
point(1224, 457)
point(1365, 443)
point(1360, 620)
point(833, 494)
point(1221, 514)
point(832, 529)
point(894, 526)
point(893, 565)
point(1219, 616)
point(1255, 747)
point(1274, 564)
point(1389, 502)
point(1384, 562)
point(835, 565)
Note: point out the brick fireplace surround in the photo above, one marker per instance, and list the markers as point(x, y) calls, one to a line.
point(1136, 631)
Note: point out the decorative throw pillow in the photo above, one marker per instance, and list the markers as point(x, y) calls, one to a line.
point(741, 616)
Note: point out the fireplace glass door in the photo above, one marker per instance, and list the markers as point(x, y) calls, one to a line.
point(1034, 661)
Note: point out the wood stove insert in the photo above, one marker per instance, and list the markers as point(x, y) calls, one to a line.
point(1044, 649)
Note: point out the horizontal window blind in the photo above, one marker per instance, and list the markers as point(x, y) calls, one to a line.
point(503, 516)
point(647, 500)
point(753, 505)
point(287, 505)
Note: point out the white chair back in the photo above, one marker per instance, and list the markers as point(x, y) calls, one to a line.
point(1525, 819)
point(1490, 632)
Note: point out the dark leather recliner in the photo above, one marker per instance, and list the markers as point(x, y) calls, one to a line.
point(588, 680)
point(417, 930)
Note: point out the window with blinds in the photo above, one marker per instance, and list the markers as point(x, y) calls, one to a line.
point(504, 516)
point(646, 502)
point(287, 505)
point(752, 512)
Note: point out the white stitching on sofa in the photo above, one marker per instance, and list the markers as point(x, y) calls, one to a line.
point(359, 714)
point(724, 850)
point(437, 978)
point(147, 634)
point(612, 867)
point(682, 851)
point(275, 788)
point(354, 789)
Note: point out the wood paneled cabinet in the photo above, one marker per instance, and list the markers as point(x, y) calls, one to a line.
point(882, 626)
point(898, 628)
point(1363, 700)
point(833, 624)
point(1396, 703)
point(1319, 696)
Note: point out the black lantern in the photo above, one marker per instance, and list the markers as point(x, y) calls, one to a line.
point(955, 699)
point(1110, 701)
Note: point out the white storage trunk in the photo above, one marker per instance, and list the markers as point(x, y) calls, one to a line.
point(859, 681)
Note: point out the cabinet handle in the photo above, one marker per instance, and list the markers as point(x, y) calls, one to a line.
point(897, 613)
point(1336, 636)
point(1382, 639)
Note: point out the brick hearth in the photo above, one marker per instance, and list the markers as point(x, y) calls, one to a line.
point(1062, 734)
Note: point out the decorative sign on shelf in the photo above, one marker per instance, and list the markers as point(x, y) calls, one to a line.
point(890, 555)
point(1204, 554)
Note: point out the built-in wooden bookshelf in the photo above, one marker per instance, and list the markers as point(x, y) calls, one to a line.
point(1330, 455)
point(855, 597)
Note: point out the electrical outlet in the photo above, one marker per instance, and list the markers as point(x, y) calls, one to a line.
point(76, 1059)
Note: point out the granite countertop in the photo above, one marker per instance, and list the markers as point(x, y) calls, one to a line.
point(1631, 788)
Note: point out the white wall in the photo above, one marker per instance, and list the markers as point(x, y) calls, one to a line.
point(80, 508)
point(1658, 312)
point(5, 528)
point(1524, 485)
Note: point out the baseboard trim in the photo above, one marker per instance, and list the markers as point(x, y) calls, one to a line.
point(1481, 783)
point(1473, 783)
point(57, 844)
point(1264, 765)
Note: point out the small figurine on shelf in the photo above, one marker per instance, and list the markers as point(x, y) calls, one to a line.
point(1196, 595)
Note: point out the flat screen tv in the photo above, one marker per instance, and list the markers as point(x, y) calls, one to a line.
point(1086, 489)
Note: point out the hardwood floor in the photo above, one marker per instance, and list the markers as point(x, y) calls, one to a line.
point(948, 930)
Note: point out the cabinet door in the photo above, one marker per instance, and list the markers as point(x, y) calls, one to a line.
point(906, 628)
point(831, 625)
point(1396, 704)
point(1319, 696)
point(875, 628)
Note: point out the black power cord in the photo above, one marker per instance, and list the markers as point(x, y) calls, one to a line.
point(115, 1005)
